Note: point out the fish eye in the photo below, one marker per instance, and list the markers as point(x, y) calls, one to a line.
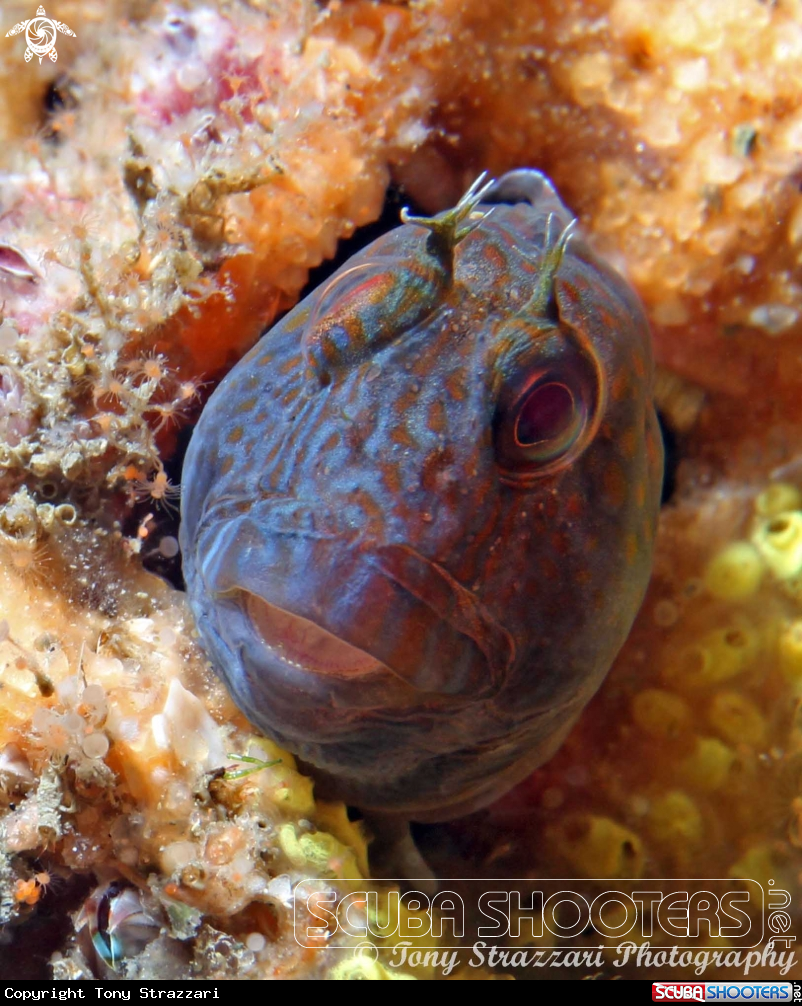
point(545, 419)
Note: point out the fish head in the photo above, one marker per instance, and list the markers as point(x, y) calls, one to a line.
point(418, 517)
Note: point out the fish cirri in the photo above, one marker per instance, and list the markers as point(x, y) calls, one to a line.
point(418, 516)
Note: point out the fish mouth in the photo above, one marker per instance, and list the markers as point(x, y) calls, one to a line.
point(354, 621)
point(409, 624)
point(304, 644)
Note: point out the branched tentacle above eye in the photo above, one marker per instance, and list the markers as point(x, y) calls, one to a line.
point(452, 226)
point(541, 303)
point(378, 301)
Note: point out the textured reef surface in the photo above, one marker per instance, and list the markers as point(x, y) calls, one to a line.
point(165, 188)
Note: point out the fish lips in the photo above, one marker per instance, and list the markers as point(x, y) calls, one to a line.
point(352, 622)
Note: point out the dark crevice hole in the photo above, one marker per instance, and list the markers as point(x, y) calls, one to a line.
point(165, 522)
point(671, 460)
point(394, 201)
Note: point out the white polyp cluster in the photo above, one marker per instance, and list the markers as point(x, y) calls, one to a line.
point(71, 729)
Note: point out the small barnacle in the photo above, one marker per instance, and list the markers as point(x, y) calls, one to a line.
point(169, 414)
point(188, 391)
point(66, 514)
point(778, 498)
point(674, 818)
point(719, 655)
point(25, 556)
point(152, 367)
point(735, 572)
point(660, 713)
point(43, 879)
point(159, 488)
point(779, 541)
point(50, 731)
point(163, 230)
point(597, 846)
point(107, 383)
point(176, 409)
point(709, 764)
point(129, 290)
point(737, 719)
point(88, 227)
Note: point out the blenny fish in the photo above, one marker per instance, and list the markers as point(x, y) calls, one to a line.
point(418, 516)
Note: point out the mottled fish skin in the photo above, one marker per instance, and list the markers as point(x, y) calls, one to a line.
point(418, 516)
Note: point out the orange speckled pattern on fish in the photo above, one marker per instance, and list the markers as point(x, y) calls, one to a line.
point(418, 517)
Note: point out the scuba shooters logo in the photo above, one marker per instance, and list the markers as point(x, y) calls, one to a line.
point(645, 927)
point(779, 921)
point(638, 910)
point(40, 34)
point(678, 991)
point(726, 991)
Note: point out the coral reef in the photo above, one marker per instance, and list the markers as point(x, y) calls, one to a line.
point(165, 188)
point(672, 129)
point(122, 758)
point(698, 722)
point(242, 147)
